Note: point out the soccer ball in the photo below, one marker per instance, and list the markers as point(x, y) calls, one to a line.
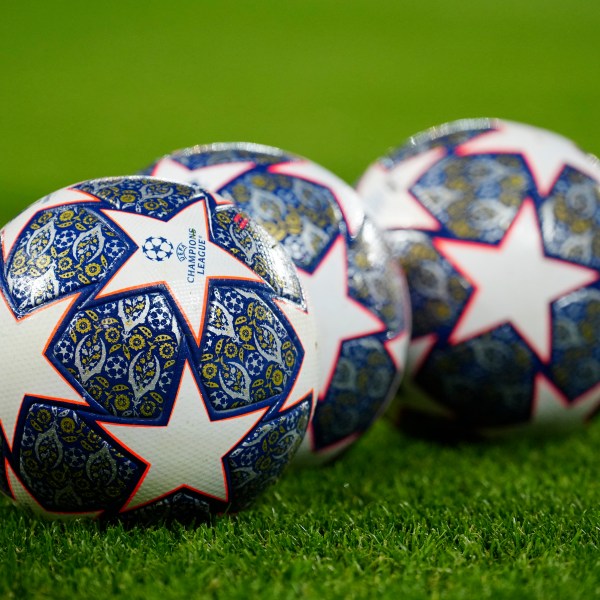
point(160, 359)
point(497, 225)
point(359, 293)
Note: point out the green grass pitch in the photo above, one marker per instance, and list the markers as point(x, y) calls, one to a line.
point(95, 89)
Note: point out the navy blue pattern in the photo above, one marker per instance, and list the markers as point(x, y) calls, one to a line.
point(360, 387)
point(373, 278)
point(143, 195)
point(251, 244)
point(259, 461)
point(303, 216)
point(248, 354)
point(216, 154)
point(61, 251)
point(125, 355)
point(68, 466)
point(449, 135)
point(183, 505)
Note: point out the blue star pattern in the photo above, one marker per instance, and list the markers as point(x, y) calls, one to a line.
point(142, 195)
point(359, 389)
point(262, 457)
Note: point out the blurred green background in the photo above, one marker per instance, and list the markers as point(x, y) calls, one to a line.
point(98, 89)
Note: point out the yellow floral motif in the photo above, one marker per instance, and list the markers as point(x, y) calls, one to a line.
point(67, 425)
point(83, 326)
point(166, 351)
point(65, 263)
point(209, 371)
point(42, 261)
point(122, 402)
point(245, 333)
point(137, 342)
point(93, 269)
point(112, 335)
point(277, 377)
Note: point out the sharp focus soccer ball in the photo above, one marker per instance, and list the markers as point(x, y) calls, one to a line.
point(497, 225)
point(159, 357)
point(361, 304)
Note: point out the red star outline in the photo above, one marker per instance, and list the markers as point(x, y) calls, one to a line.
point(340, 240)
point(249, 164)
point(384, 173)
point(439, 243)
point(76, 403)
point(196, 335)
point(125, 506)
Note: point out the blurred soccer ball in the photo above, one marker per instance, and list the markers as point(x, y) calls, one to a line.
point(497, 225)
point(361, 303)
point(140, 381)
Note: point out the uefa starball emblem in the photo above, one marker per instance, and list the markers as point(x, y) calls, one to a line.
point(497, 226)
point(144, 386)
point(157, 249)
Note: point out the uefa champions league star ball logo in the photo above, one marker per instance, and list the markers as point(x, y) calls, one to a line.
point(157, 249)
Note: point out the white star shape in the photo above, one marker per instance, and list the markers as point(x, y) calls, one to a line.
point(13, 230)
point(397, 348)
point(189, 293)
point(388, 196)
point(28, 371)
point(302, 321)
point(186, 452)
point(514, 282)
point(419, 350)
point(551, 407)
point(545, 153)
point(338, 316)
point(347, 198)
point(210, 177)
point(23, 498)
point(551, 411)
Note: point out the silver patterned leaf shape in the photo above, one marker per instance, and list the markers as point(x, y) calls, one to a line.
point(47, 444)
point(133, 312)
point(41, 240)
point(140, 380)
point(101, 467)
point(243, 240)
point(273, 350)
point(221, 321)
point(89, 357)
point(91, 242)
point(35, 291)
point(244, 394)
